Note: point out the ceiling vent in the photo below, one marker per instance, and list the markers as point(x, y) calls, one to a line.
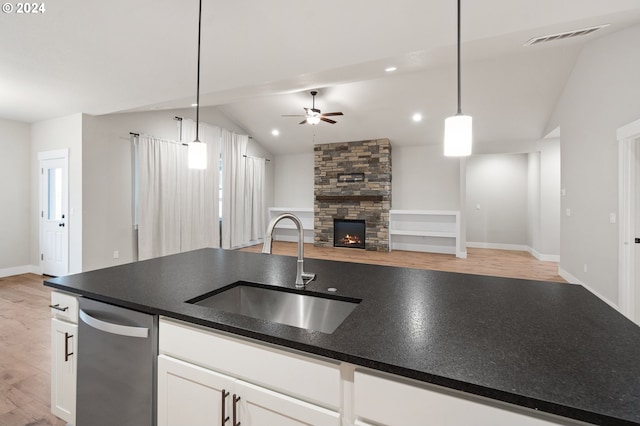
point(565, 35)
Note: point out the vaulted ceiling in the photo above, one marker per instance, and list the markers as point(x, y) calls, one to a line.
point(260, 59)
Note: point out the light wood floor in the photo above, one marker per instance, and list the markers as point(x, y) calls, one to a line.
point(25, 317)
point(25, 330)
point(501, 263)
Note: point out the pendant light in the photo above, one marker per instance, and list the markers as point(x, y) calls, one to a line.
point(197, 151)
point(458, 128)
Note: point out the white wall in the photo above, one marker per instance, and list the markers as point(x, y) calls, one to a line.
point(497, 208)
point(59, 133)
point(15, 212)
point(601, 95)
point(293, 181)
point(108, 215)
point(548, 243)
point(533, 200)
point(424, 179)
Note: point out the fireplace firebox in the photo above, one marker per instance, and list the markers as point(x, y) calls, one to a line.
point(349, 233)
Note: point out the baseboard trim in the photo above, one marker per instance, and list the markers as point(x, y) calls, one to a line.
point(516, 247)
point(18, 270)
point(571, 279)
point(544, 257)
point(498, 246)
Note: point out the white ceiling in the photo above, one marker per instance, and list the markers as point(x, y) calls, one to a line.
point(261, 58)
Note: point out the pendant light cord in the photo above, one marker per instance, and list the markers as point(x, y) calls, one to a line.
point(198, 73)
point(459, 85)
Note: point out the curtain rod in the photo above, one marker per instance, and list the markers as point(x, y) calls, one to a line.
point(134, 134)
point(251, 156)
point(177, 118)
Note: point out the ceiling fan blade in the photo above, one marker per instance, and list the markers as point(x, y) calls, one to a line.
point(303, 121)
point(329, 114)
point(328, 120)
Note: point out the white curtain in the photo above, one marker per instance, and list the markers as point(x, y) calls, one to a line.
point(178, 206)
point(159, 197)
point(233, 147)
point(254, 204)
point(199, 225)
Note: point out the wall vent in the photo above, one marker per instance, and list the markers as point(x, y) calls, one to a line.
point(565, 35)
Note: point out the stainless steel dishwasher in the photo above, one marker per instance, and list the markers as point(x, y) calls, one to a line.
point(117, 352)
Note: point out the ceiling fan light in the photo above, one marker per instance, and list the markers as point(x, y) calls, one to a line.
point(197, 155)
point(458, 135)
point(313, 119)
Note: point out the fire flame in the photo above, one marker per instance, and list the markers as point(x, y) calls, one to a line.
point(350, 240)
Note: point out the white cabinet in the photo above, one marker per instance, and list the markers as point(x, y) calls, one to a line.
point(258, 406)
point(191, 395)
point(205, 376)
point(396, 401)
point(64, 347)
point(196, 396)
point(435, 231)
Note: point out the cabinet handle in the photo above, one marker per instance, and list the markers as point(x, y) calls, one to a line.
point(57, 306)
point(67, 354)
point(225, 418)
point(235, 403)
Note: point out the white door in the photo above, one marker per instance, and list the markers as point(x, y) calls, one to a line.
point(54, 223)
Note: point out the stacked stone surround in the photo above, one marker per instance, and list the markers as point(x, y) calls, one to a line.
point(368, 200)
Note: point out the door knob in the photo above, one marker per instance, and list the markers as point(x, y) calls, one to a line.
point(637, 240)
point(61, 225)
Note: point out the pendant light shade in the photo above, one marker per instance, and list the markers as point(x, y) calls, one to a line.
point(197, 155)
point(458, 136)
point(458, 129)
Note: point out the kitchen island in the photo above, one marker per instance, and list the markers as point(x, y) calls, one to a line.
point(550, 347)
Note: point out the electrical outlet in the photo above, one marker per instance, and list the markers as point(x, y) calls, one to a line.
point(568, 212)
point(116, 254)
point(612, 218)
point(585, 267)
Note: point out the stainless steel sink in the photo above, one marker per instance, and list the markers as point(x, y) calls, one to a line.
point(281, 305)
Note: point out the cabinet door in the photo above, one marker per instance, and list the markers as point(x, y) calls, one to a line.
point(63, 369)
point(191, 395)
point(392, 402)
point(261, 407)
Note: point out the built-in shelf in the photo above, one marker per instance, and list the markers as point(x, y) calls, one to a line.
point(286, 230)
point(434, 231)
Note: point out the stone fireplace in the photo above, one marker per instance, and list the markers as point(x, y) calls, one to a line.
point(353, 183)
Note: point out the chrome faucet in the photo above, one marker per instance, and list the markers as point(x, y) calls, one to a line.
point(301, 276)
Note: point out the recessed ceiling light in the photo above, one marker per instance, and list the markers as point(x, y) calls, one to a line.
point(275, 132)
point(390, 69)
point(194, 105)
point(417, 117)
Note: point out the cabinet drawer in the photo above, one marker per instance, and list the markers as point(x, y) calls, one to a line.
point(64, 306)
point(388, 401)
point(301, 376)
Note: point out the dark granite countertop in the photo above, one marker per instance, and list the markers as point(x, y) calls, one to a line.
point(547, 346)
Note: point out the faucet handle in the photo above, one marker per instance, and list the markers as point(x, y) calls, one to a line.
point(307, 277)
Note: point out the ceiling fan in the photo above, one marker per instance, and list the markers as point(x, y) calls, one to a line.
point(313, 115)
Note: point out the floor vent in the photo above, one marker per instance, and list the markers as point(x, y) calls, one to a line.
point(565, 35)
